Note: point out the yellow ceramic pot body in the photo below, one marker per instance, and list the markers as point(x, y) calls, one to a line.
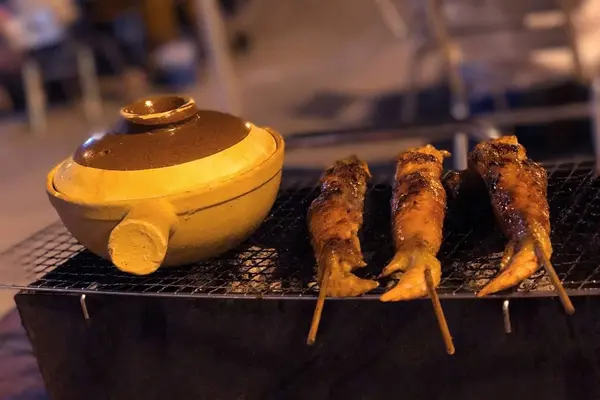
point(145, 218)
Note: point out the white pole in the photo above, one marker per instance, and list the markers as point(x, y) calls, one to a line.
point(35, 96)
point(92, 100)
point(460, 144)
point(212, 29)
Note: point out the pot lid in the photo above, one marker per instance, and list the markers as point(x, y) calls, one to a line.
point(159, 132)
point(164, 145)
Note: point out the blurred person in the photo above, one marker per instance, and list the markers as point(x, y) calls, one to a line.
point(116, 31)
point(38, 30)
point(166, 20)
point(140, 38)
point(173, 50)
point(9, 67)
point(172, 34)
point(9, 61)
point(176, 60)
point(176, 41)
point(34, 25)
point(149, 37)
point(239, 39)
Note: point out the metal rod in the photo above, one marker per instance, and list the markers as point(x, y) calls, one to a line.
point(84, 309)
point(459, 107)
point(212, 27)
point(410, 101)
point(88, 78)
point(35, 96)
point(538, 115)
point(567, 8)
point(392, 18)
point(508, 118)
point(506, 316)
point(409, 105)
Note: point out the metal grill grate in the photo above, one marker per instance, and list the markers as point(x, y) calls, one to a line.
point(278, 262)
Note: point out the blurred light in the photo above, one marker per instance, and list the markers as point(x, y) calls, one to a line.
point(544, 19)
point(93, 137)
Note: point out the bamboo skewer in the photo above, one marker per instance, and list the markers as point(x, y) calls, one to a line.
point(560, 290)
point(314, 326)
point(439, 312)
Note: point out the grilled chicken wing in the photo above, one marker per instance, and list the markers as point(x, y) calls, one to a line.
point(517, 188)
point(418, 210)
point(334, 219)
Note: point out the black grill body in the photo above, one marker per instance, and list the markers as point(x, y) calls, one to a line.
point(235, 327)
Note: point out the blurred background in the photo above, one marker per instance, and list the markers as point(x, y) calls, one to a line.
point(334, 77)
point(368, 76)
point(337, 77)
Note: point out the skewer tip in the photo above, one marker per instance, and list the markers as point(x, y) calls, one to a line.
point(314, 326)
point(560, 290)
point(439, 313)
point(570, 311)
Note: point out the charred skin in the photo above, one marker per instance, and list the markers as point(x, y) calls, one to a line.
point(418, 209)
point(334, 219)
point(518, 190)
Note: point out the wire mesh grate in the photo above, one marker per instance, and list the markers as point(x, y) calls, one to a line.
point(277, 261)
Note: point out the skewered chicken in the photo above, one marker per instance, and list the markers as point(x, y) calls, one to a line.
point(418, 210)
point(334, 219)
point(517, 188)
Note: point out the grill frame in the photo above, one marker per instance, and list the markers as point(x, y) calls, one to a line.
point(278, 255)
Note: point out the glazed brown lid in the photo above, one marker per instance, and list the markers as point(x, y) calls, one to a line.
point(165, 147)
point(162, 131)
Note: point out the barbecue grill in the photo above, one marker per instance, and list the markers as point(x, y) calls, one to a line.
point(184, 332)
point(277, 262)
point(235, 327)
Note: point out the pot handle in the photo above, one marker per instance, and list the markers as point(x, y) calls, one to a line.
point(138, 244)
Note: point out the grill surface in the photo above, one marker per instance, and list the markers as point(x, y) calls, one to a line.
point(277, 260)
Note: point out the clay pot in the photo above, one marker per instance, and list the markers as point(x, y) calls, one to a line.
point(171, 185)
